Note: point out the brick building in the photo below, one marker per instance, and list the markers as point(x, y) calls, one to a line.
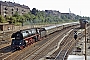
point(10, 8)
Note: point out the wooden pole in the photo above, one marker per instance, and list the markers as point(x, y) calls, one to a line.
point(85, 43)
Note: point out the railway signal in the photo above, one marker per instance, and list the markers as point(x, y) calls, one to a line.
point(75, 35)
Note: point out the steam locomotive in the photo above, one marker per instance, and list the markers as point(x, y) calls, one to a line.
point(23, 38)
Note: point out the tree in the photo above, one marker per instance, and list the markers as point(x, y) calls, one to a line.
point(21, 19)
point(26, 16)
point(2, 19)
point(16, 14)
point(7, 18)
point(34, 11)
point(12, 20)
point(33, 17)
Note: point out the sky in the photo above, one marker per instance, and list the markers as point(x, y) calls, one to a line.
point(78, 7)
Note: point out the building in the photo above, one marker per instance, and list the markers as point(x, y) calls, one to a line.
point(69, 15)
point(54, 13)
point(10, 8)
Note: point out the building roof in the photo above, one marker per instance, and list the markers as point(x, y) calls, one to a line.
point(11, 4)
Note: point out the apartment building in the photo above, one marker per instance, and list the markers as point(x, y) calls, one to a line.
point(8, 8)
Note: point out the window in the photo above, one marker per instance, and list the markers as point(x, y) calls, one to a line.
point(22, 13)
point(4, 15)
point(17, 9)
point(5, 12)
point(12, 12)
point(5, 8)
point(12, 9)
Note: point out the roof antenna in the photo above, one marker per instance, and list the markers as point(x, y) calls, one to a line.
point(69, 10)
point(80, 13)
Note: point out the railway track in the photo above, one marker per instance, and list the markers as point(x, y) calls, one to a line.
point(35, 47)
point(18, 55)
point(46, 49)
point(60, 47)
point(81, 43)
point(66, 48)
point(51, 48)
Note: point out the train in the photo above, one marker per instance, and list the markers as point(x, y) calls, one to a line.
point(26, 37)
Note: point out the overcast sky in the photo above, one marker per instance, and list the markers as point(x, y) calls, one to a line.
point(79, 7)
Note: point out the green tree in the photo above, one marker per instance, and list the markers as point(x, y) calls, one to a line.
point(27, 16)
point(16, 14)
point(7, 18)
point(34, 11)
point(21, 19)
point(13, 19)
point(2, 19)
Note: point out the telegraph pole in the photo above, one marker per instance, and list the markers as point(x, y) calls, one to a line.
point(85, 39)
point(85, 43)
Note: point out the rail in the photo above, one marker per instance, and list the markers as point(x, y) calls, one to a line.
point(65, 54)
point(57, 56)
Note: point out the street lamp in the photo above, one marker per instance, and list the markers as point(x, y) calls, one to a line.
point(85, 22)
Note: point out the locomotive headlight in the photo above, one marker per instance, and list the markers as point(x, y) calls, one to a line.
point(20, 43)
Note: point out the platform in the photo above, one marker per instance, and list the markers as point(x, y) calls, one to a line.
point(77, 57)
